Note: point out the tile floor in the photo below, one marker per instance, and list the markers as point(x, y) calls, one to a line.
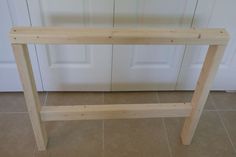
point(156, 137)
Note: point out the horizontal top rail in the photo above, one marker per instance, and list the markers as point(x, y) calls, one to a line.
point(56, 35)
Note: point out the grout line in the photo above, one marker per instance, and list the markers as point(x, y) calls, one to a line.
point(25, 112)
point(227, 132)
point(234, 110)
point(219, 110)
point(34, 150)
point(210, 110)
point(223, 124)
point(158, 98)
point(103, 99)
point(225, 109)
point(103, 145)
point(212, 100)
point(214, 105)
point(167, 138)
point(45, 100)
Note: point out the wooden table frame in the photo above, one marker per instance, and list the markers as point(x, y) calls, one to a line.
point(217, 40)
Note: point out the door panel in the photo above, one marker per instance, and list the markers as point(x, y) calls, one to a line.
point(13, 12)
point(74, 67)
point(211, 13)
point(149, 67)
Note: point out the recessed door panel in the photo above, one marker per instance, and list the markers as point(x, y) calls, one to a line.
point(212, 14)
point(149, 67)
point(14, 13)
point(74, 67)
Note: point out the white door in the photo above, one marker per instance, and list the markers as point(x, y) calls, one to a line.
point(140, 67)
point(13, 12)
point(74, 67)
point(212, 13)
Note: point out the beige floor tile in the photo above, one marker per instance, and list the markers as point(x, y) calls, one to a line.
point(15, 102)
point(210, 139)
point(229, 118)
point(171, 97)
point(74, 98)
point(130, 97)
point(224, 101)
point(135, 138)
point(16, 136)
point(74, 139)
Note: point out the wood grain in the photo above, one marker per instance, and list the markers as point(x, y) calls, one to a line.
point(31, 96)
point(117, 111)
point(54, 35)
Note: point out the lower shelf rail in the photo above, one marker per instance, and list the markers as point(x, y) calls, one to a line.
point(117, 111)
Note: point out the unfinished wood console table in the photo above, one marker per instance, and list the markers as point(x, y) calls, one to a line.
point(217, 40)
